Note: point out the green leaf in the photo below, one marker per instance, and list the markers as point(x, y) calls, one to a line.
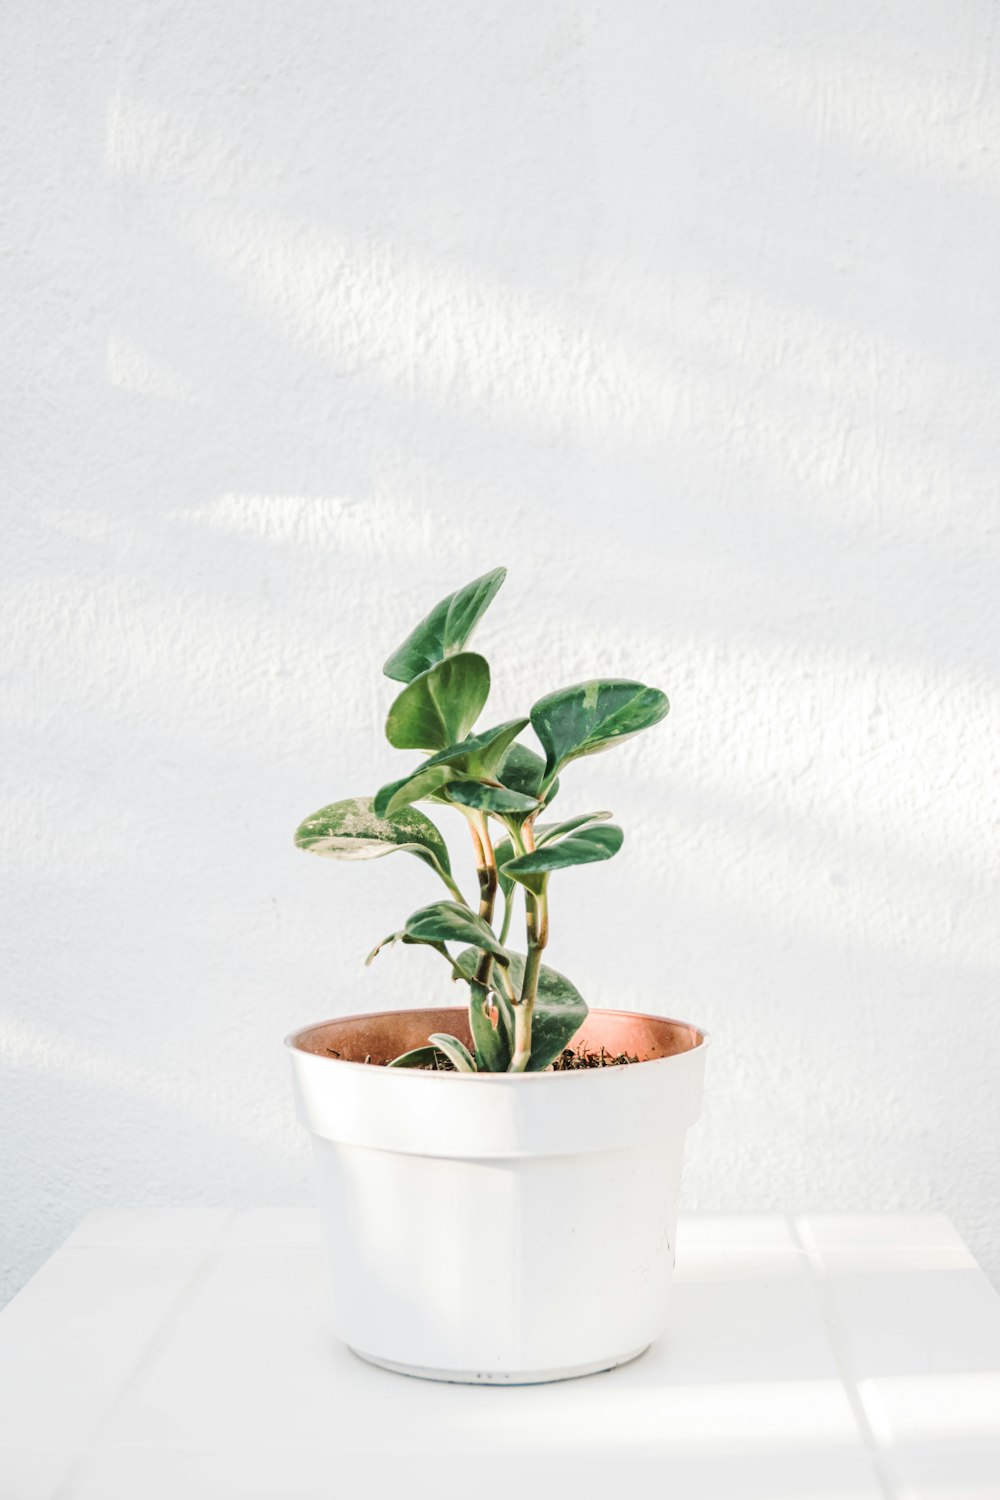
point(477, 757)
point(387, 942)
point(490, 799)
point(544, 834)
point(494, 1044)
point(422, 785)
point(441, 705)
point(524, 771)
point(419, 1057)
point(560, 1010)
point(445, 630)
point(501, 1043)
point(493, 1052)
point(591, 716)
point(353, 830)
point(480, 755)
point(447, 922)
point(585, 846)
point(502, 853)
point(455, 1051)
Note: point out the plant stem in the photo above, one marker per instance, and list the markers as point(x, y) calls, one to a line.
point(523, 1012)
point(486, 869)
point(486, 865)
point(536, 907)
point(508, 912)
point(517, 844)
point(487, 972)
point(502, 977)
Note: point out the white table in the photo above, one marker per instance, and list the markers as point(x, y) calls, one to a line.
point(181, 1354)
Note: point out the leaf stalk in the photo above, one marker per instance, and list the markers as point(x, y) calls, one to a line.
point(536, 906)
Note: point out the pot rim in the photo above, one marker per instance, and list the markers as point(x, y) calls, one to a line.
point(292, 1043)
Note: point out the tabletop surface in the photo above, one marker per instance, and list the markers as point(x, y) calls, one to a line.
point(184, 1353)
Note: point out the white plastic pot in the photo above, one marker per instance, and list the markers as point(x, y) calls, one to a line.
point(497, 1227)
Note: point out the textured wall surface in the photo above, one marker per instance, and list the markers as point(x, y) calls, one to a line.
point(688, 314)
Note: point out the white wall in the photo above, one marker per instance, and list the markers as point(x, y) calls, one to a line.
point(686, 313)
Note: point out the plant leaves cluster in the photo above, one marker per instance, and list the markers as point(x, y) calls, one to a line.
point(522, 1014)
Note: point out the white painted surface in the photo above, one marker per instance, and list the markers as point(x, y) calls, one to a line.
point(187, 1353)
point(688, 315)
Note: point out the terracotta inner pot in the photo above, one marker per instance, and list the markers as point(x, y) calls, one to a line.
point(383, 1035)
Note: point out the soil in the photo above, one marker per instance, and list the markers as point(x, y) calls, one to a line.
point(439, 1065)
point(567, 1061)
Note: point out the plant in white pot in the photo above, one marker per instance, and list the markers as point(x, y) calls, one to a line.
point(498, 1182)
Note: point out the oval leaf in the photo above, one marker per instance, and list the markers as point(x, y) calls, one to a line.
point(353, 830)
point(476, 757)
point(447, 922)
point(455, 1051)
point(441, 705)
point(497, 1049)
point(420, 1057)
point(586, 846)
point(559, 1012)
point(591, 716)
point(544, 834)
point(480, 755)
point(445, 630)
point(423, 784)
point(490, 799)
point(524, 771)
point(493, 1053)
point(387, 942)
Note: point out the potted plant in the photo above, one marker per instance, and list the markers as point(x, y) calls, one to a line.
point(498, 1181)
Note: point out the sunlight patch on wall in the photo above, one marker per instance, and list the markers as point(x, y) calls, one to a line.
point(772, 873)
point(146, 144)
point(455, 337)
point(844, 797)
point(928, 122)
point(448, 334)
point(910, 749)
point(375, 529)
point(94, 526)
point(132, 368)
point(797, 393)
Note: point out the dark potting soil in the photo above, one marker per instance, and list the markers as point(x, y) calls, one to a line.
point(568, 1061)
